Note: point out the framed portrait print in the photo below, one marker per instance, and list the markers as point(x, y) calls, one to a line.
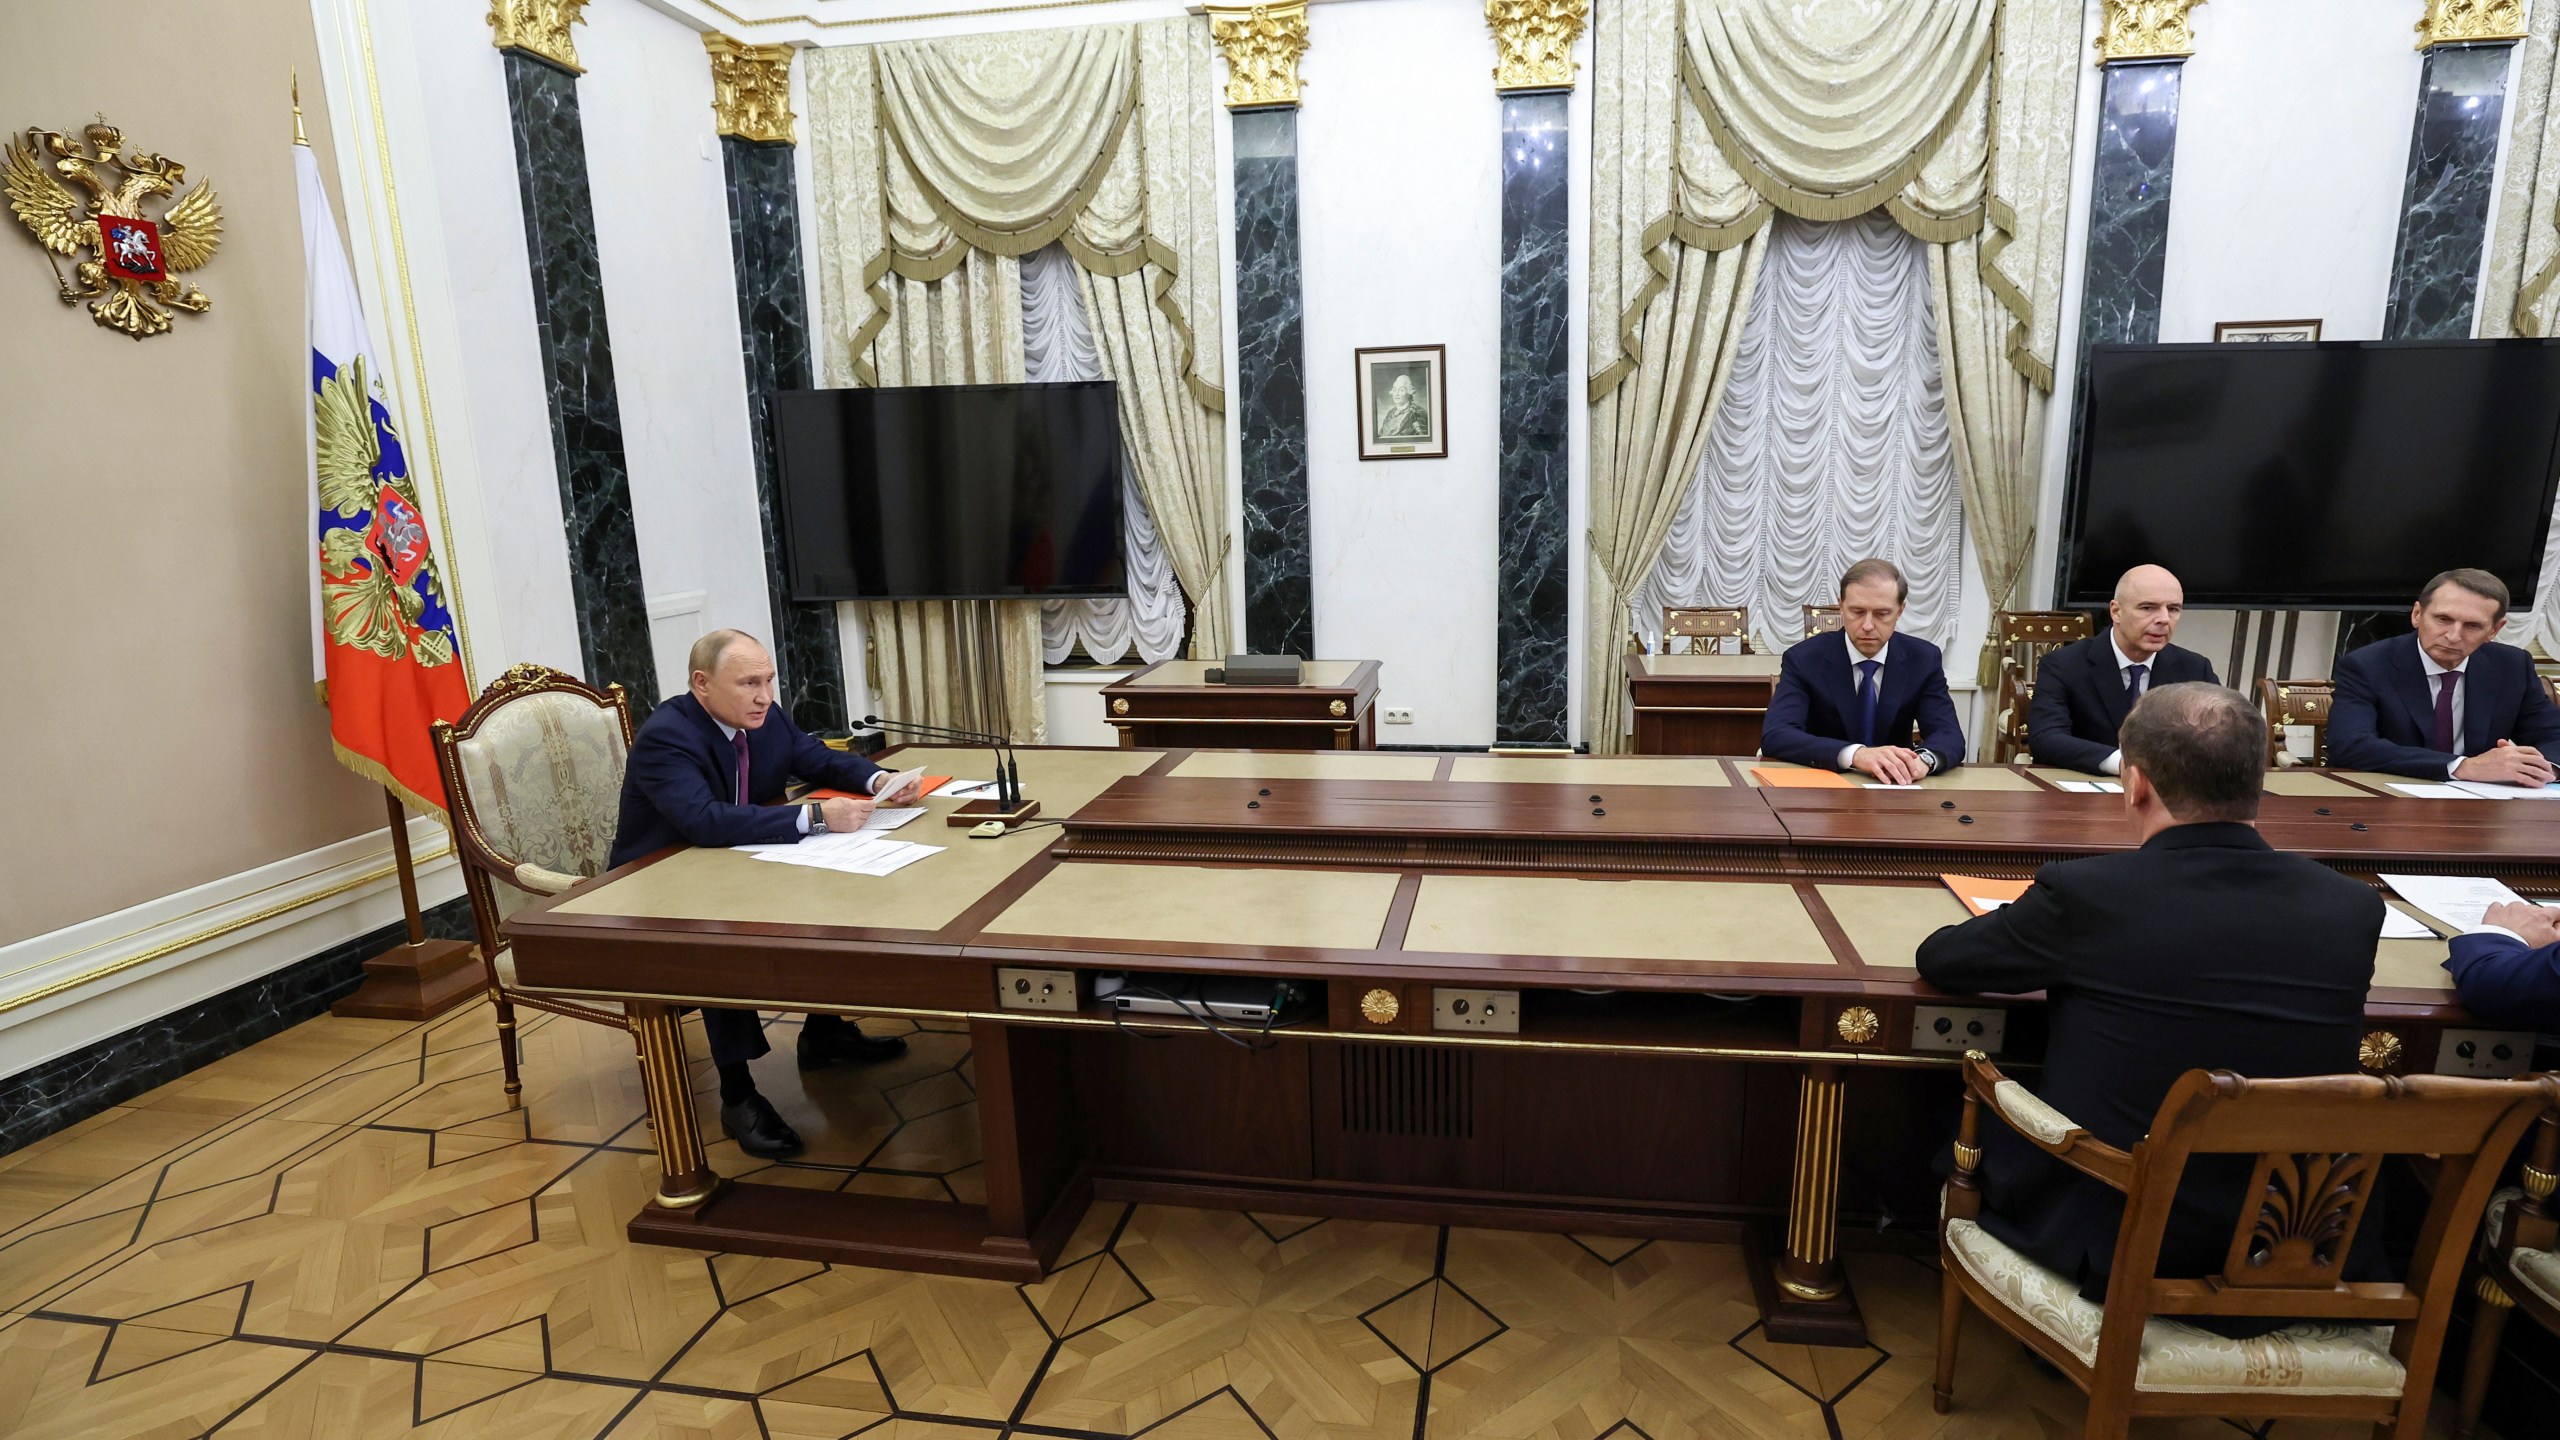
point(2293, 331)
point(1404, 403)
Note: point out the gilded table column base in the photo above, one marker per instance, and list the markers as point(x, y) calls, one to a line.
point(687, 1184)
point(1804, 1296)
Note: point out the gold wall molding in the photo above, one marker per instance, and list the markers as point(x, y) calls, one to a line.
point(2463, 22)
point(1533, 42)
point(2147, 30)
point(1262, 44)
point(750, 89)
point(539, 28)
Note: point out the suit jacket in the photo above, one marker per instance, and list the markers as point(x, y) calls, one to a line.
point(2204, 949)
point(2384, 715)
point(1814, 710)
point(2080, 699)
point(678, 787)
point(2507, 983)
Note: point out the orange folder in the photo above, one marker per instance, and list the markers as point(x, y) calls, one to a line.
point(931, 784)
point(1984, 896)
point(1801, 779)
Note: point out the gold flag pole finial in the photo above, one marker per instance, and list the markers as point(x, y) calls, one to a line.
point(298, 137)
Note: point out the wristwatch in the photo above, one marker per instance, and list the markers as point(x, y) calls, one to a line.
point(817, 819)
point(1928, 759)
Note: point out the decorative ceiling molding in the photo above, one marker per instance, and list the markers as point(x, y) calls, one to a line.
point(1262, 44)
point(862, 22)
point(2466, 22)
point(750, 89)
point(1533, 42)
point(539, 28)
point(2147, 30)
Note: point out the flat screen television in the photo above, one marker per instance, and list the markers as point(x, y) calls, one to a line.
point(2331, 476)
point(951, 492)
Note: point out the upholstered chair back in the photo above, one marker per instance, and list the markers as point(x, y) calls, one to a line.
point(537, 767)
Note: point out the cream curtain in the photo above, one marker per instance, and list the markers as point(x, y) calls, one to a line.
point(1954, 115)
point(2520, 291)
point(1057, 344)
point(1831, 442)
point(937, 165)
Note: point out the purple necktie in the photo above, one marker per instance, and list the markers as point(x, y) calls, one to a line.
point(2444, 709)
point(738, 742)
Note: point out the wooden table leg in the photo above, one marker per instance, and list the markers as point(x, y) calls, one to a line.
point(1806, 1300)
point(686, 1180)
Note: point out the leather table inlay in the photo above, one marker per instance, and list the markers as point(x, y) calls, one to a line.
point(1322, 909)
point(1709, 922)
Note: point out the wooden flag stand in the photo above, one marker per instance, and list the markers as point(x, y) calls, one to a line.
point(424, 978)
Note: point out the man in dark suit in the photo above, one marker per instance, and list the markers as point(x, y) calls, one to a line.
point(2204, 949)
point(2446, 702)
point(2506, 969)
point(2085, 689)
point(1851, 701)
point(707, 769)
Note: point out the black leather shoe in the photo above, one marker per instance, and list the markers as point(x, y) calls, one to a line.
point(759, 1129)
point(847, 1044)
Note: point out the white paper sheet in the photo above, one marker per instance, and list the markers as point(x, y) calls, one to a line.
point(2091, 787)
point(879, 820)
point(849, 854)
point(899, 781)
point(2457, 900)
point(2434, 792)
point(967, 790)
point(2484, 790)
point(2399, 924)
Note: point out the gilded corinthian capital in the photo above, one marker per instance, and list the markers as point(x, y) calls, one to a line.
point(1262, 44)
point(539, 27)
point(1533, 42)
point(2462, 22)
point(2147, 30)
point(750, 89)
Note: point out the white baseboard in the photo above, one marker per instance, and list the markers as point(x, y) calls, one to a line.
point(75, 986)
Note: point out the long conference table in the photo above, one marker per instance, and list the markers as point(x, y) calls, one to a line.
point(1628, 996)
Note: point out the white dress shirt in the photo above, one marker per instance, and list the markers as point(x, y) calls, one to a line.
point(2428, 663)
point(729, 733)
point(2114, 763)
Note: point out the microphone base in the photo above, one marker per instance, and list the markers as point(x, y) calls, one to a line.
point(978, 812)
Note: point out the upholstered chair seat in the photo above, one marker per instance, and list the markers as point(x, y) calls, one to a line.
point(534, 773)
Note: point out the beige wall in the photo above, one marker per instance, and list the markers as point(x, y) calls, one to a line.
point(157, 727)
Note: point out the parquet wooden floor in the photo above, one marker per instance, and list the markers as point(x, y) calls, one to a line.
point(343, 1234)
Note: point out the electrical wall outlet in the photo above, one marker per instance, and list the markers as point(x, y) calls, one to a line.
point(1036, 989)
point(2487, 1054)
point(1958, 1028)
point(1495, 1012)
point(1399, 715)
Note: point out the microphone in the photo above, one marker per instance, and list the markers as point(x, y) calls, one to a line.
point(1008, 779)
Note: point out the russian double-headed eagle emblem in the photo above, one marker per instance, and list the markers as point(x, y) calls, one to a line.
point(138, 258)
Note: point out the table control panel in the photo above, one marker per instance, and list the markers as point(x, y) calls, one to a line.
point(2488, 1054)
point(1493, 1012)
point(1958, 1028)
point(1018, 989)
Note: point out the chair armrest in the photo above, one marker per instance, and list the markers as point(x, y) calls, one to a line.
point(545, 882)
point(2531, 1225)
point(2043, 1126)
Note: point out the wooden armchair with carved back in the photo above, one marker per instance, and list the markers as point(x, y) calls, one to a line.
point(2519, 1266)
point(1706, 628)
point(1822, 620)
point(533, 771)
point(2357, 1351)
point(2296, 702)
point(2024, 638)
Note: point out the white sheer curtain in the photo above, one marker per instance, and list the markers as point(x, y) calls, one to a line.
point(1830, 443)
point(1057, 344)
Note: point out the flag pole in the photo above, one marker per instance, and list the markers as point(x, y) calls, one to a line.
point(423, 978)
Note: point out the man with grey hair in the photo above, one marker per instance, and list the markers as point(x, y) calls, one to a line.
point(2446, 701)
point(2085, 689)
point(709, 768)
point(2203, 949)
point(1869, 698)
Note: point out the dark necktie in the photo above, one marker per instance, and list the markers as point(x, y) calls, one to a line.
point(1867, 700)
point(2134, 675)
point(738, 742)
point(2444, 710)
